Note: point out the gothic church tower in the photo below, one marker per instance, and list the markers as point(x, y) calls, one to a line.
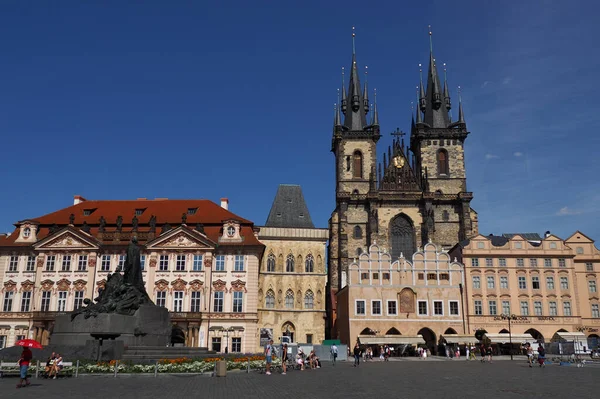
point(417, 194)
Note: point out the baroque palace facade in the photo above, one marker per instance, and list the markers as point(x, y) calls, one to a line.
point(292, 275)
point(548, 284)
point(416, 195)
point(200, 261)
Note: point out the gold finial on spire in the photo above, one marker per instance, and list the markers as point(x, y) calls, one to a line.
point(353, 44)
point(430, 40)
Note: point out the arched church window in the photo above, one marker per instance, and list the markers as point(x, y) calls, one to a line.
point(445, 216)
point(357, 172)
point(289, 264)
point(271, 263)
point(357, 232)
point(289, 299)
point(270, 300)
point(402, 237)
point(442, 161)
point(309, 299)
point(309, 264)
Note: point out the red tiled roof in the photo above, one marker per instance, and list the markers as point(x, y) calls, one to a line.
point(207, 213)
point(165, 210)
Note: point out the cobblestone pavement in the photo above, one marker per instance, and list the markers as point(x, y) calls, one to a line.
point(419, 379)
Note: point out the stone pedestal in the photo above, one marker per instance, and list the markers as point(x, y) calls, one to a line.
point(149, 326)
point(104, 349)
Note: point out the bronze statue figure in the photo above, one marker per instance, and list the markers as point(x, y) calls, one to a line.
point(102, 225)
point(119, 223)
point(72, 218)
point(183, 218)
point(134, 223)
point(152, 223)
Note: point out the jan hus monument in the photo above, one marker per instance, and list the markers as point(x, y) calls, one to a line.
point(123, 313)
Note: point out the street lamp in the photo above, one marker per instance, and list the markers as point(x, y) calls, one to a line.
point(509, 317)
point(227, 331)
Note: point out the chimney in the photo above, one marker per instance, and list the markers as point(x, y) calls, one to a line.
point(78, 199)
point(547, 234)
point(225, 203)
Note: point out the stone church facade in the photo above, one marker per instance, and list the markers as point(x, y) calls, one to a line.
point(417, 194)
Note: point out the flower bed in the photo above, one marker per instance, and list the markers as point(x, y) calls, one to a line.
point(180, 365)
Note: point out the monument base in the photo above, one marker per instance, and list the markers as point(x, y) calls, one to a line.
point(149, 326)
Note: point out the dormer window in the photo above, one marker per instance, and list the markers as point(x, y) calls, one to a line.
point(88, 212)
point(230, 231)
point(192, 211)
point(26, 232)
point(138, 212)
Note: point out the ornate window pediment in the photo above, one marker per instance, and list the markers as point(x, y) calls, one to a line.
point(196, 285)
point(63, 284)
point(181, 238)
point(238, 285)
point(219, 285)
point(179, 284)
point(47, 285)
point(161, 285)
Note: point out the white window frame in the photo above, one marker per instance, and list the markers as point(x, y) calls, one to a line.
point(524, 305)
point(61, 301)
point(82, 263)
point(550, 283)
point(373, 301)
point(364, 303)
point(552, 308)
point(197, 262)
point(502, 262)
point(9, 297)
point(564, 281)
point(218, 301)
point(196, 296)
point(538, 307)
point(478, 302)
point(441, 308)
point(495, 302)
point(180, 262)
point(239, 302)
point(143, 262)
point(426, 308)
point(161, 296)
point(595, 310)
point(505, 309)
point(13, 263)
point(450, 308)
point(163, 263)
point(592, 287)
point(239, 263)
point(121, 261)
point(78, 297)
point(478, 278)
point(66, 263)
point(50, 261)
point(178, 302)
point(47, 299)
point(387, 303)
point(522, 279)
point(105, 262)
point(26, 299)
point(30, 263)
point(490, 282)
point(220, 263)
point(567, 305)
point(503, 282)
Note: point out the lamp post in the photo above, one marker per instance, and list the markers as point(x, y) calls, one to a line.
point(227, 331)
point(509, 317)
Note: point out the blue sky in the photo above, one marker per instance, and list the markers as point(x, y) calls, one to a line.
point(127, 99)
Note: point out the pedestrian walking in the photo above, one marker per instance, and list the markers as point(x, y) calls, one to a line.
point(334, 353)
point(356, 355)
point(530, 354)
point(23, 362)
point(268, 356)
point(488, 352)
point(284, 358)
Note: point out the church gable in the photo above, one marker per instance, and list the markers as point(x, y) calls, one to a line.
point(181, 238)
point(399, 174)
point(66, 239)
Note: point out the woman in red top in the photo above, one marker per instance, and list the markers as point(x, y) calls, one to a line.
point(26, 356)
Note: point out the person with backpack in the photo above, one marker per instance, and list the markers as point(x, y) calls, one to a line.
point(334, 353)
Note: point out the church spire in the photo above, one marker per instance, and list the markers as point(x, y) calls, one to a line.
point(436, 116)
point(337, 118)
point(366, 91)
point(421, 101)
point(355, 113)
point(375, 113)
point(344, 103)
point(461, 115)
point(446, 91)
point(419, 110)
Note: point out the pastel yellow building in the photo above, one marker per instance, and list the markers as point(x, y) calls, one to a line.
point(292, 275)
point(547, 283)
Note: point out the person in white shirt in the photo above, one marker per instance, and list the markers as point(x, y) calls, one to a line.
point(334, 353)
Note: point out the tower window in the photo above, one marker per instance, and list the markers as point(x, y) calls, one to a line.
point(442, 161)
point(357, 172)
point(445, 216)
point(357, 232)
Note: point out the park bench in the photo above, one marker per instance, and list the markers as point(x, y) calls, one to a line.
point(12, 369)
